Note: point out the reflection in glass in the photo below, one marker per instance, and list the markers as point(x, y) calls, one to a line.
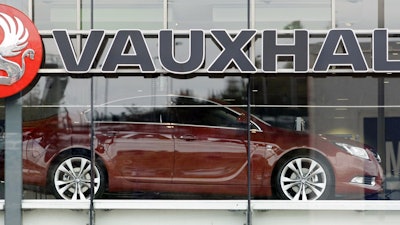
point(280, 100)
point(391, 14)
point(51, 14)
point(46, 118)
point(180, 144)
point(157, 137)
point(124, 14)
point(357, 14)
point(392, 135)
point(208, 14)
point(329, 107)
point(291, 14)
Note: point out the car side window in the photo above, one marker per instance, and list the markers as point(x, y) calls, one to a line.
point(198, 112)
point(132, 114)
point(140, 110)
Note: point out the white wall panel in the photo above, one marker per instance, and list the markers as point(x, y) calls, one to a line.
point(232, 212)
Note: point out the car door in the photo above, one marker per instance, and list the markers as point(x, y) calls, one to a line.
point(137, 140)
point(210, 144)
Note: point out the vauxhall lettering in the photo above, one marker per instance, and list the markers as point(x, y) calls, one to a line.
point(130, 48)
point(196, 52)
point(381, 62)
point(330, 54)
point(271, 50)
point(85, 61)
point(119, 53)
point(232, 51)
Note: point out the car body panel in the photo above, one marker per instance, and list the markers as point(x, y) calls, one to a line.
point(143, 152)
point(183, 144)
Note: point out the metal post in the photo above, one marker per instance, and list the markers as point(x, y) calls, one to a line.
point(250, 24)
point(249, 193)
point(381, 95)
point(92, 210)
point(13, 160)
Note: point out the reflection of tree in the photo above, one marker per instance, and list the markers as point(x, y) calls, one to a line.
point(52, 96)
point(234, 93)
point(29, 100)
point(236, 89)
point(294, 25)
point(186, 92)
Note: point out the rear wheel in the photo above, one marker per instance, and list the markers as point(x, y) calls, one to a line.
point(304, 177)
point(70, 178)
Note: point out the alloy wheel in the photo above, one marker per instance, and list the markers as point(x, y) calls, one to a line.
point(72, 179)
point(303, 179)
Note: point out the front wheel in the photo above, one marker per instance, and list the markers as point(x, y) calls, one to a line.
point(70, 178)
point(304, 177)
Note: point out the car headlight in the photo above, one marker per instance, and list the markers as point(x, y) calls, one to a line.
point(354, 150)
point(378, 158)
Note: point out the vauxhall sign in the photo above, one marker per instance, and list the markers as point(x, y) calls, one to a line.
point(130, 48)
point(20, 51)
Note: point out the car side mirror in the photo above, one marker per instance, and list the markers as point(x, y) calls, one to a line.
point(242, 118)
point(242, 121)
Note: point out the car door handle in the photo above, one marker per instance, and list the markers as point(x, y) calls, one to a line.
point(188, 137)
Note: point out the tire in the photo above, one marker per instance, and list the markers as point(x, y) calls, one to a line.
point(304, 177)
point(70, 178)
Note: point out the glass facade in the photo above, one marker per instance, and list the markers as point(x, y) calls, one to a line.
point(202, 135)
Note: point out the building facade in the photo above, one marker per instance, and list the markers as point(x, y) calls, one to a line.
point(230, 103)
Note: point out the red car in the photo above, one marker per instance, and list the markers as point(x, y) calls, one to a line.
point(181, 144)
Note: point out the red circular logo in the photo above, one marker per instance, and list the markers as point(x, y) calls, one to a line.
point(21, 51)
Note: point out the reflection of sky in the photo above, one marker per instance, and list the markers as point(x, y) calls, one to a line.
point(355, 14)
point(392, 16)
point(363, 14)
point(207, 14)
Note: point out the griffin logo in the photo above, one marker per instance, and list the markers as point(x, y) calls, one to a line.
point(20, 51)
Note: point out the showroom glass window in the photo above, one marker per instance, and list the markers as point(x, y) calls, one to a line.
point(327, 105)
point(289, 14)
point(392, 103)
point(286, 92)
point(367, 116)
point(168, 133)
